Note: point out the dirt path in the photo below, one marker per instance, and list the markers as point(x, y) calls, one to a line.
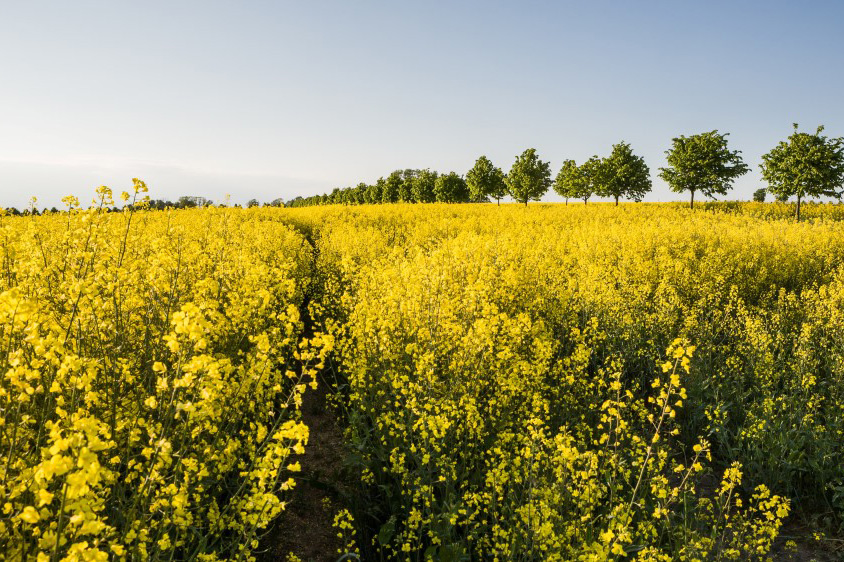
point(305, 527)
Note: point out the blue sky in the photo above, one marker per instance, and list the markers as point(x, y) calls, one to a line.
point(277, 99)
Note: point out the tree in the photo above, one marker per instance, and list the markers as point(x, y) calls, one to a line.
point(407, 177)
point(187, 202)
point(529, 178)
point(593, 173)
point(485, 180)
point(373, 193)
point(702, 163)
point(451, 188)
point(250, 203)
point(805, 166)
point(422, 188)
point(759, 195)
point(624, 175)
point(570, 181)
point(359, 193)
point(191, 201)
point(390, 187)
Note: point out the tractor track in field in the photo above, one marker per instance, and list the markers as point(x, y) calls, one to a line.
point(304, 529)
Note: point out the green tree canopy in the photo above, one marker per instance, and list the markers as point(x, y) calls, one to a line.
point(390, 187)
point(702, 163)
point(407, 177)
point(569, 180)
point(359, 193)
point(594, 174)
point(759, 195)
point(624, 175)
point(805, 165)
point(373, 192)
point(529, 178)
point(485, 180)
point(422, 187)
point(451, 188)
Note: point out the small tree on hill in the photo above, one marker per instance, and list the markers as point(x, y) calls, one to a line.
point(485, 180)
point(702, 163)
point(624, 175)
point(805, 166)
point(529, 178)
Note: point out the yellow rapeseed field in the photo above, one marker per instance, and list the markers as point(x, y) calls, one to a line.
point(564, 382)
point(551, 382)
point(153, 365)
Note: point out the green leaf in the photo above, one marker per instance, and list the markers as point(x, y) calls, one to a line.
point(387, 530)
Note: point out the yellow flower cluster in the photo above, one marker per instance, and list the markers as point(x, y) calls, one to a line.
point(152, 370)
point(344, 525)
point(572, 382)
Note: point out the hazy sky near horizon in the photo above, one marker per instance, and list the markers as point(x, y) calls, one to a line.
point(278, 99)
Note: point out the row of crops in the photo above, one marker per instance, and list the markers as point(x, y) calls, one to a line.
point(574, 382)
point(544, 383)
point(153, 367)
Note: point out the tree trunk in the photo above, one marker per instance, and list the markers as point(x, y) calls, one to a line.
point(567, 200)
point(585, 200)
point(616, 200)
point(692, 204)
point(798, 207)
point(525, 202)
point(499, 200)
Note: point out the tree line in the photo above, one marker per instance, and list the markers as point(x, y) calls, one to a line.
point(407, 186)
point(183, 202)
point(804, 165)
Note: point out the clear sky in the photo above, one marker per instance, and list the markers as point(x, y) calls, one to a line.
point(277, 99)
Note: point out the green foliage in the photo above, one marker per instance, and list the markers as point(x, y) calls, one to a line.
point(391, 187)
point(624, 175)
point(358, 194)
point(594, 174)
point(704, 163)
point(570, 181)
point(451, 188)
point(529, 178)
point(407, 177)
point(759, 195)
point(373, 192)
point(580, 182)
point(805, 166)
point(422, 186)
point(485, 180)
